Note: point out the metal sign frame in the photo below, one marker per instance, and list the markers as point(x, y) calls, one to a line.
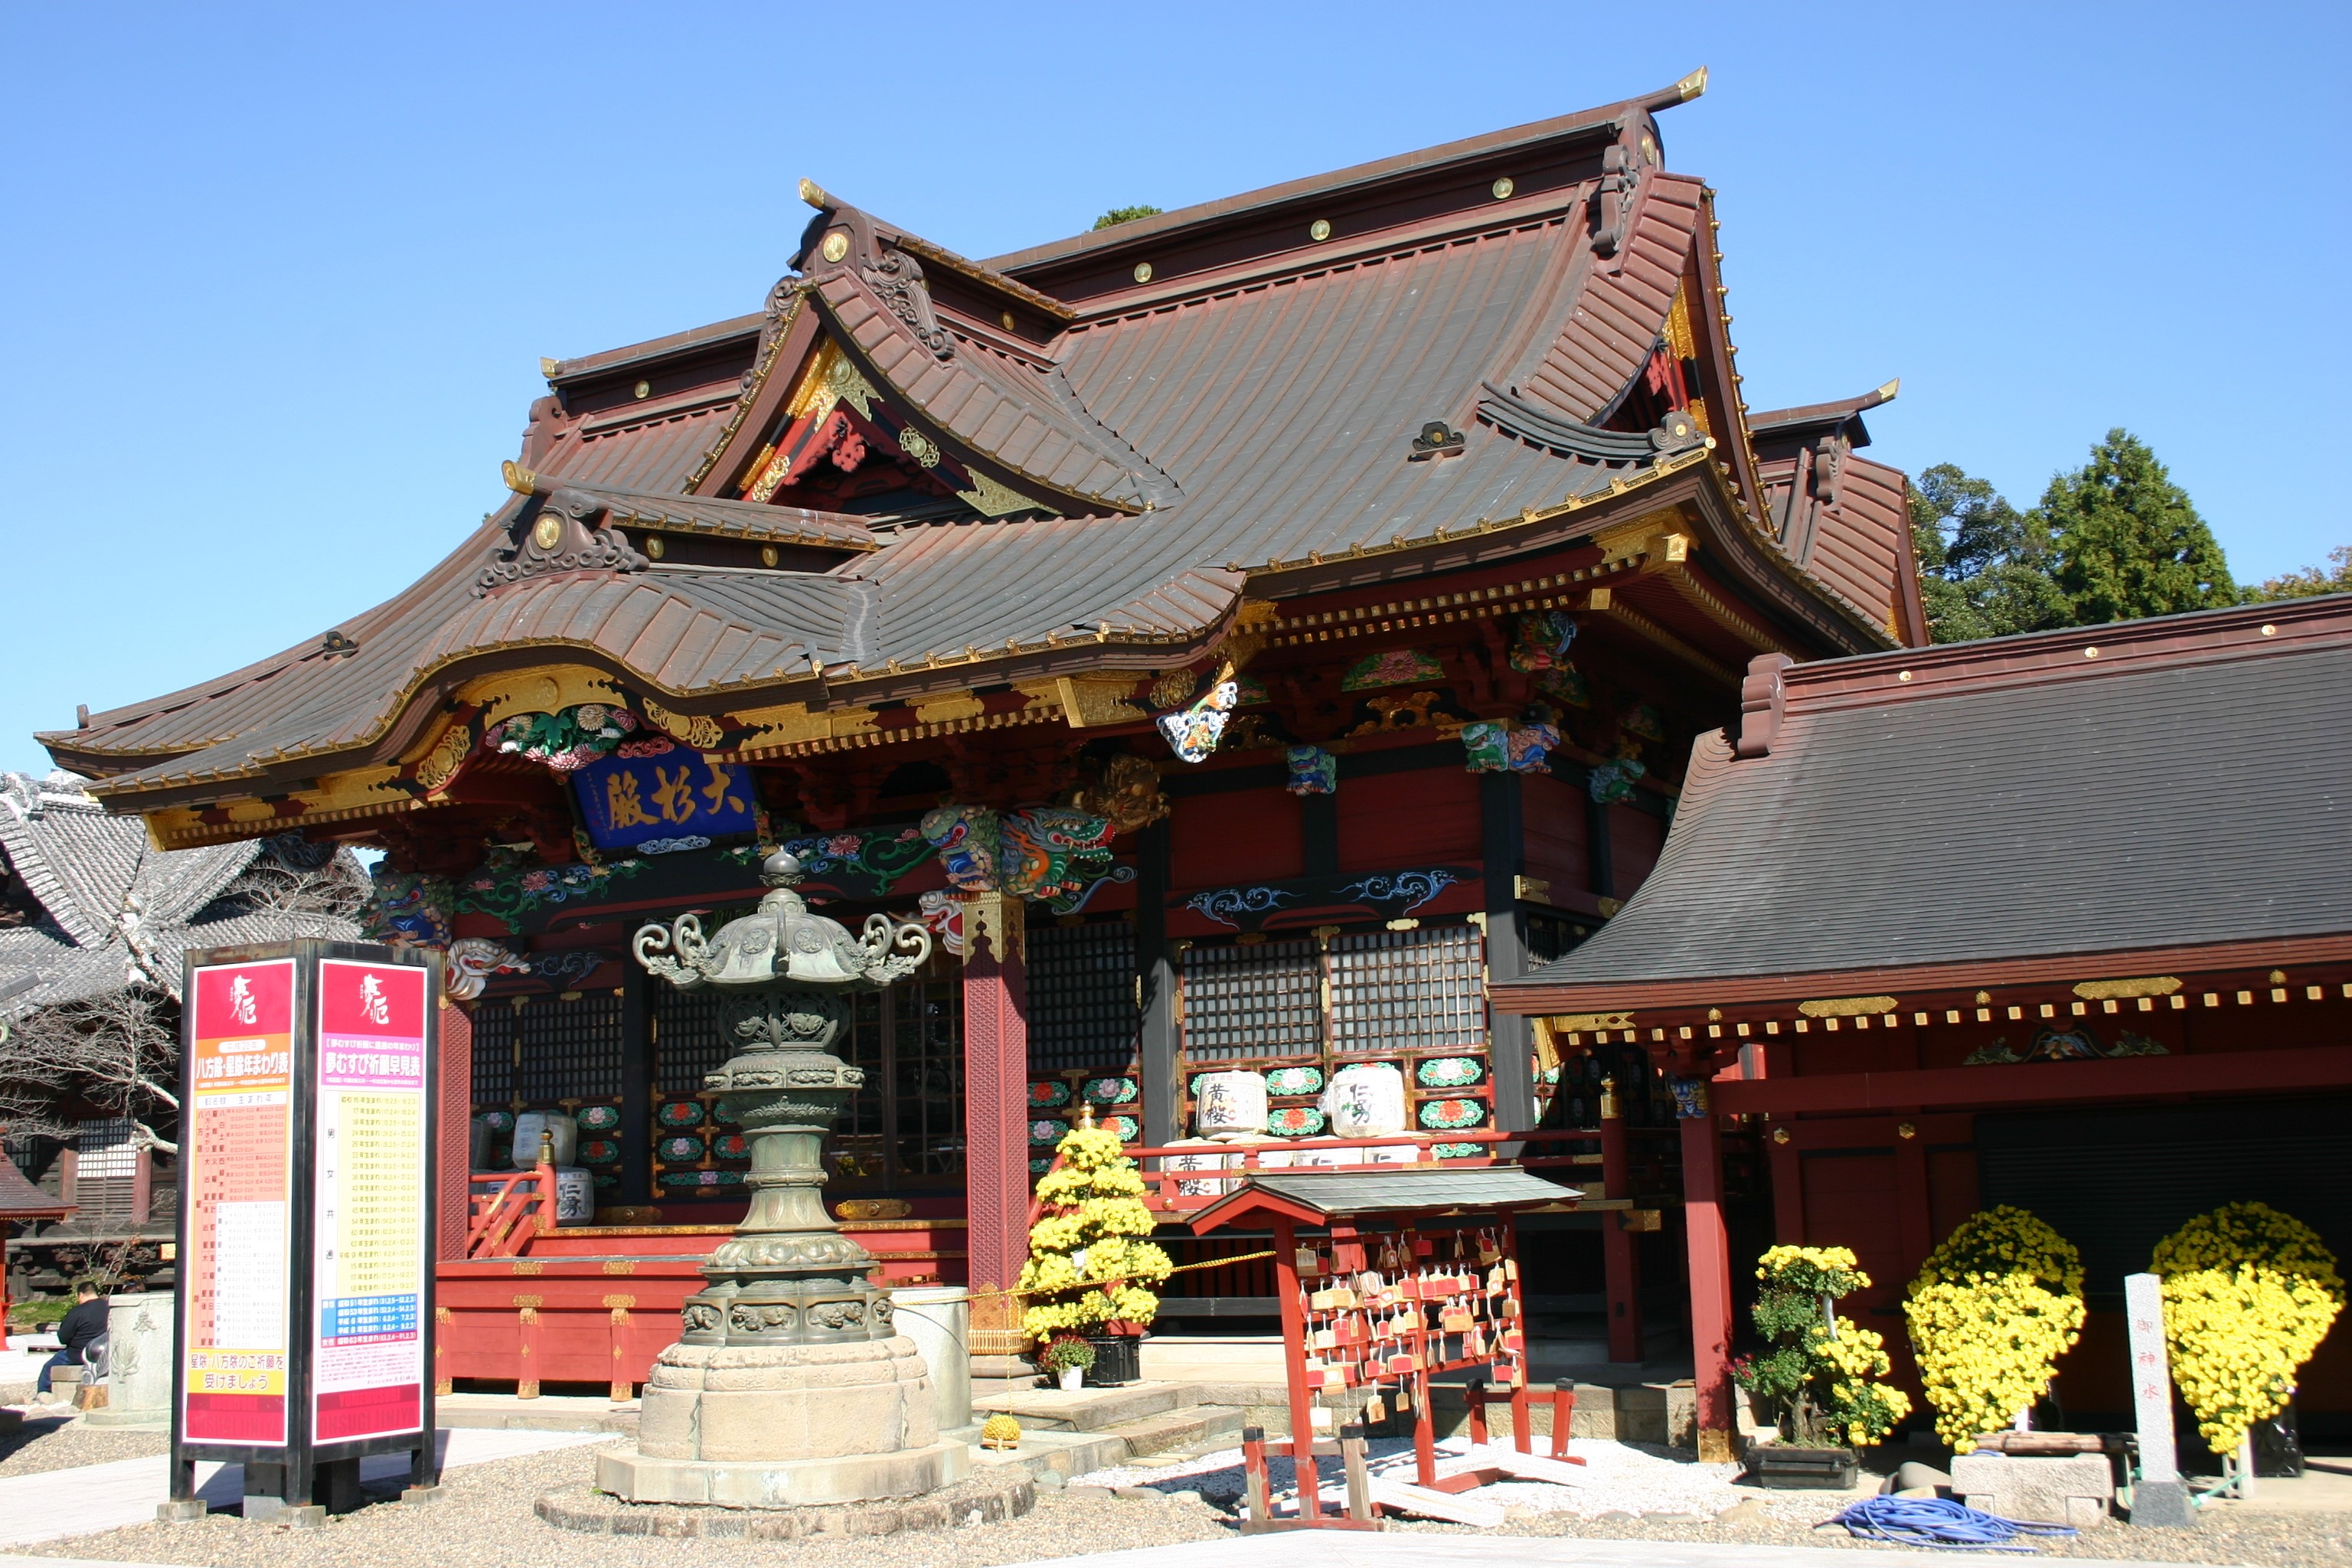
point(302, 1472)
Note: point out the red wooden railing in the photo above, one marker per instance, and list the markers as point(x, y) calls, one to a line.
point(515, 1208)
point(1161, 1183)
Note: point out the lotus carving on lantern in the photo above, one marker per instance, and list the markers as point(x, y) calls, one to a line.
point(782, 942)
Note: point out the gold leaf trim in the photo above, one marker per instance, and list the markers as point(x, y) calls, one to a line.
point(1847, 1006)
point(2144, 985)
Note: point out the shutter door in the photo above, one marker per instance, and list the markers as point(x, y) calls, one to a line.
point(2116, 1182)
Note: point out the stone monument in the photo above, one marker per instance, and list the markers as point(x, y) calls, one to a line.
point(791, 1384)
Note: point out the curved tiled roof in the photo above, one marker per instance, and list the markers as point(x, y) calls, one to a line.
point(87, 869)
point(1259, 410)
point(2001, 800)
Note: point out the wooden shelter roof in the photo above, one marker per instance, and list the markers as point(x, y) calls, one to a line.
point(2101, 801)
point(1154, 419)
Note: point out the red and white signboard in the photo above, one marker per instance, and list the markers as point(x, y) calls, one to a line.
point(239, 1140)
point(370, 1236)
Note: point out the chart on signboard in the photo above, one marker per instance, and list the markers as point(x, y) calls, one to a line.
point(239, 1148)
point(370, 1259)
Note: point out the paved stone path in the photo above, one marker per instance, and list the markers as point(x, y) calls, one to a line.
point(56, 1503)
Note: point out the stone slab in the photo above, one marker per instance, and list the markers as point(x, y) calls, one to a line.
point(783, 1483)
point(2078, 1490)
point(1062, 1454)
point(1176, 1429)
point(1000, 1493)
point(1088, 1409)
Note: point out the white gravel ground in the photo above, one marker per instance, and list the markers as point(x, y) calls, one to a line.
point(1619, 1478)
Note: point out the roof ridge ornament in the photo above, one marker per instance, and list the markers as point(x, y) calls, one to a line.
point(1763, 704)
point(554, 532)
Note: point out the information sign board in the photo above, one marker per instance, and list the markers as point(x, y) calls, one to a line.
point(370, 1260)
point(306, 1206)
point(238, 1209)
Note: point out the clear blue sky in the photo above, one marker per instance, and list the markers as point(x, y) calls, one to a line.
point(277, 278)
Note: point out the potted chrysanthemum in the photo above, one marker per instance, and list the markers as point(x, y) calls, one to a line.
point(1815, 1382)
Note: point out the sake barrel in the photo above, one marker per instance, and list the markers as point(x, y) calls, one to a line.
point(562, 1132)
point(1366, 1099)
point(1228, 1104)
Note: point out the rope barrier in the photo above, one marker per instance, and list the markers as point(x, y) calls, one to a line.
point(1940, 1522)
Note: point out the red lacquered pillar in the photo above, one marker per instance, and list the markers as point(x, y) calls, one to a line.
point(996, 1088)
point(453, 1158)
point(1710, 1282)
point(1621, 1263)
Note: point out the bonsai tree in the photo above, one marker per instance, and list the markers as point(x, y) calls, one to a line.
point(1991, 1311)
point(2249, 1293)
point(1815, 1381)
point(1087, 1266)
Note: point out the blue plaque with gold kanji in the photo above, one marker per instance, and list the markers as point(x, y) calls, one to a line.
point(679, 794)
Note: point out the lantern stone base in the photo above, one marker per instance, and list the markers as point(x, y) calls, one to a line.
point(784, 1483)
point(785, 1425)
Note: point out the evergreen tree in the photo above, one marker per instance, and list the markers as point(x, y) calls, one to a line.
point(2129, 541)
point(1118, 216)
point(1984, 566)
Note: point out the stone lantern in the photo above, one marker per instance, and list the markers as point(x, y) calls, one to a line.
point(791, 1383)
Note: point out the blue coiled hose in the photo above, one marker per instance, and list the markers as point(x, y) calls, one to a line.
point(1939, 1522)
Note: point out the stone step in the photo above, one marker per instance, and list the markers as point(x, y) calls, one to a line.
point(1088, 1409)
point(1188, 1425)
point(1065, 1454)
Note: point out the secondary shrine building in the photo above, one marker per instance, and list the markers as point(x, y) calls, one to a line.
point(1242, 633)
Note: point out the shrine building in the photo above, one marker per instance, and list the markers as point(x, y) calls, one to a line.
point(1242, 634)
point(2059, 920)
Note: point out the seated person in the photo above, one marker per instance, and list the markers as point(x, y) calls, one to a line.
point(82, 1326)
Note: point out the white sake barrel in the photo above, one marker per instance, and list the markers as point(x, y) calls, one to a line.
point(1366, 1099)
point(1229, 1105)
point(575, 1194)
point(562, 1131)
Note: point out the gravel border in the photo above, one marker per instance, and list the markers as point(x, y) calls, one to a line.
point(48, 1443)
point(990, 1498)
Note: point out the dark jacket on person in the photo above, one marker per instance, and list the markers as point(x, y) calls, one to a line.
point(86, 1322)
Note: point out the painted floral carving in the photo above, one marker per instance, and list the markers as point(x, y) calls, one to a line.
point(1395, 666)
point(563, 740)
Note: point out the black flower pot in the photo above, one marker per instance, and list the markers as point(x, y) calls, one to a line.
point(1784, 1468)
point(1116, 1360)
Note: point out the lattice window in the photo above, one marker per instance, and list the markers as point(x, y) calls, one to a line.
point(904, 1129)
point(568, 1049)
point(1408, 990)
point(1082, 1011)
point(494, 1042)
point(1262, 1000)
point(106, 1173)
point(687, 1046)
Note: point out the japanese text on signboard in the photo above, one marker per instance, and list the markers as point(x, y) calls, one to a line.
point(628, 801)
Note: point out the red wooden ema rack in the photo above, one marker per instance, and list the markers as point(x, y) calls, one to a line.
point(1385, 1278)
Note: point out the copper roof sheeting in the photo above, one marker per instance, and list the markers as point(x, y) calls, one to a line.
point(1262, 415)
point(1855, 546)
point(2055, 802)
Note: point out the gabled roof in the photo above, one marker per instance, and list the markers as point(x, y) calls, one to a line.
point(1237, 412)
point(112, 908)
point(2120, 795)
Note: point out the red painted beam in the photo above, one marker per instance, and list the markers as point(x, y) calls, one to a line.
point(2042, 1083)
